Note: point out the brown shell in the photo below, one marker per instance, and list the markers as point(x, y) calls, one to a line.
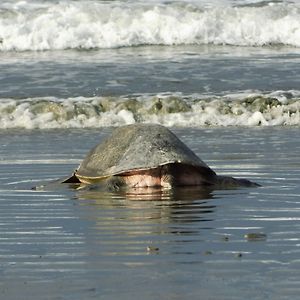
point(137, 147)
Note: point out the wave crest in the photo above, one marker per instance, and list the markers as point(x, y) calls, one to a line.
point(87, 25)
point(276, 109)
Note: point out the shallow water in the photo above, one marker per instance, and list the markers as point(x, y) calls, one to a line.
point(86, 244)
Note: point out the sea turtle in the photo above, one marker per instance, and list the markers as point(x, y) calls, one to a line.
point(147, 155)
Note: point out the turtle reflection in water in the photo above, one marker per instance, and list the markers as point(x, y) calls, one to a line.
point(148, 155)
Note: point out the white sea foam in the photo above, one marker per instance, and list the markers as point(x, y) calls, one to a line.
point(91, 24)
point(276, 109)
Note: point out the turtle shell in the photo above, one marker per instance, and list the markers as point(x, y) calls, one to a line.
point(136, 147)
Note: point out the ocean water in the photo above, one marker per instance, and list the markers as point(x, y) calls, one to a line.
point(223, 75)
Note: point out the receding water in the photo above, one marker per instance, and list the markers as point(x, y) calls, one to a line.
point(61, 243)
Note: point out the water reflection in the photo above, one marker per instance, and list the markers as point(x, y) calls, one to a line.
point(149, 212)
point(97, 192)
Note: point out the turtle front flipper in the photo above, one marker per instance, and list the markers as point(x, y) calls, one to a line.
point(114, 183)
point(231, 182)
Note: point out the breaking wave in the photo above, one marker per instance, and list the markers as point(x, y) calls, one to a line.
point(87, 25)
point(275, 109)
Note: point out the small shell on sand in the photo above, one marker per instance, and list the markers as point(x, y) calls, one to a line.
point(256, 236)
